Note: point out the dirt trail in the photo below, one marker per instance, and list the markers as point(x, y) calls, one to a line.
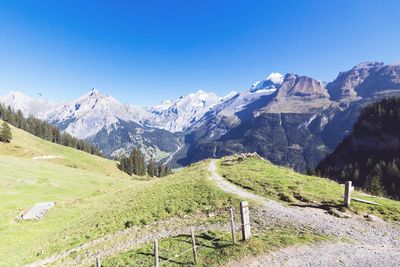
point(373, 241)
point(366, 236)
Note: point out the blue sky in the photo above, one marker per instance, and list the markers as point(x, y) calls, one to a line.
point(142, 52)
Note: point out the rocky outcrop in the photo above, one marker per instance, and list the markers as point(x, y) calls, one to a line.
point(364, 80)
point(299, 94)
point(384, 79)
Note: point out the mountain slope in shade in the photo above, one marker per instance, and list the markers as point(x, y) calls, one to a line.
point(296, 126)
point(370, 155)
point(292, 120)
point(120, 137)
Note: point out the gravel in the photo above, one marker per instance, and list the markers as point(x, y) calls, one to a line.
point(373, 243)
point(327, 255)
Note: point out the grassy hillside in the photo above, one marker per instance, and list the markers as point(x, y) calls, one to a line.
point(214, 248)
point(25, 145)
point(283, 184)
point(93, 199)
point(89, 204)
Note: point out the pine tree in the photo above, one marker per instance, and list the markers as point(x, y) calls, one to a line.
point(152, 169)
point(167, 171)
point(375, 186)
point(5, 133)
point(161, 170)
point(139, 166)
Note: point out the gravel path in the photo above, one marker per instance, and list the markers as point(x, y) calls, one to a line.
point(373, 243)
point(377, 236)
point(327, 255)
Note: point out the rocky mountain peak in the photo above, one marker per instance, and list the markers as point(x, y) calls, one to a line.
point(92, 112)
point(298, 94)
point(301, 86)
point(177, 115)
point(364, 80)
point(368, 64)
point(94, 93)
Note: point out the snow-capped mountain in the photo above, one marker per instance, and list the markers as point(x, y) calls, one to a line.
point(273, 81)
point(113, 126)
point(116, 127)
point(92, 112)
point(178, 115)
point(28, 105)
point(229, 110)
point(297, 123)
point(289, 119)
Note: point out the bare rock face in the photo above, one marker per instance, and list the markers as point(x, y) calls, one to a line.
point(364, 80)
point(384, 79)
point(299, 94)
point(344, 86)
point(301, 86)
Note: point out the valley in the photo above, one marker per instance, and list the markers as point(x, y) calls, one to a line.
point(199, 133)
point(101, 211)
point(291, 120)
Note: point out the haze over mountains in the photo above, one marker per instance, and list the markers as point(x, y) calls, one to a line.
point(290, 119)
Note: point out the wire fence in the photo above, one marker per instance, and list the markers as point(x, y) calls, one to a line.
point(196, 248)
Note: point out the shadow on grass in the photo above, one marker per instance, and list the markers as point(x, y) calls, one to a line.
point(202, 240)
point(327, 206)
point(166, 259)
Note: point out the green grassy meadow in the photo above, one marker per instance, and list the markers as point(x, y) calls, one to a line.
point(283, 184)
point(25, 145)
point(89, 204)
point(214, 248)
point(94, 199)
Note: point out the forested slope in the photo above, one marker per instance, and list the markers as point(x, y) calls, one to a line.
point(370, 156)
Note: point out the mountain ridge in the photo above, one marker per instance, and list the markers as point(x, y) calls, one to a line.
point(290, 119)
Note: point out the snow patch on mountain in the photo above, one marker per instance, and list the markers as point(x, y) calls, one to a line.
point(178, 115)
point(28, 105)
point(270, 84)
point(236, 102)
point(276, 78)
point(92, 112)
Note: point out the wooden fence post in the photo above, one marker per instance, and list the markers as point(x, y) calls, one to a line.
point(98, 262)
point(233, 227)
point(156, 261)
point(245, 220)
point(347, 193)
point(194, 246)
